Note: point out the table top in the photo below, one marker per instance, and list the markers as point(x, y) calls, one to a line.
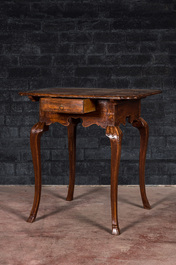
point(95, 93)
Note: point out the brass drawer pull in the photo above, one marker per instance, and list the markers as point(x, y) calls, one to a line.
point(61, 107)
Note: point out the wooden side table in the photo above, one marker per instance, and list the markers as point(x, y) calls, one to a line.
point(107, 108)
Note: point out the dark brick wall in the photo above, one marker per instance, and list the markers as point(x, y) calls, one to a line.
point(115, 43)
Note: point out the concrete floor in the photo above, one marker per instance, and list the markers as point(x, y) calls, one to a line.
point(79, 232)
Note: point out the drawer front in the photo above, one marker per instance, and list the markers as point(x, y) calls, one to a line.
point(62, 105)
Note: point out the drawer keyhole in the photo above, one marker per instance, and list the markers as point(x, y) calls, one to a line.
point(61, 107)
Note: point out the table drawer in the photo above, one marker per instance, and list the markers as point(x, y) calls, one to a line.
point(60, 105)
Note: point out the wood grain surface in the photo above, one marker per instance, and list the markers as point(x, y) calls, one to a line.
point(97, 93)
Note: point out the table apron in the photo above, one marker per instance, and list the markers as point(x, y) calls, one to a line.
point(107, 113)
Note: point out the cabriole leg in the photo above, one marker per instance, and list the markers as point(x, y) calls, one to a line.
point(36, 133)
point(142, 126)
point(72, 156)
point(115, 135)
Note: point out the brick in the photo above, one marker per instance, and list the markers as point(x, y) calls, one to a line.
point(37, 83)
point(172, 60)
point(22, 121)
point(97, 154)
point(136, 36)
point(149, 47)
point(9, 156)
point(146, 82)
point(7, 169)
point(93, 25)
point(58, 71)
point(56, 180)
point(157, 70)
point(79, 82)
point(14, 38)
point(126, 22)
point(80, 10)
point(5, 108)
point(8, 84)
point(88, 180)
point(103, 60)
point(158, 180)
point(57, 26)
point(168, 130)
point(24, 72)
point(169, 109)
point(123, 47)
point(169, 35)
point(128, 172)
point(30, 107)
point(27, 156)
point(109, 37)
point(53, 48)
point(87, 142)
point(158, 21)
point(35, 60)
point(14, 143)
point(127, 71)
point(60, 168)
point(51, 143)
point(115, 9)
point(168, 47)
point(171, 140)
point(8, 132)
point(58, 130)
point(162, 59)
point(135, 59)
point(68, 60)
point(93, 167)
point(41, 38)
point(89, 49)
point(16, 108)
point(22, 48)
point(76, 37)
point(23, 169)
point(15, 10)
point(62, 154)
point(43, 10)
point(3, 26)
point(3, 72)
point(2, 119)
point(113, 82)
point(8, 60)
point(160, 167)
point(93, 71)
point(24, 26)
point(160, 152)
point(1, 49)
point(24, 132)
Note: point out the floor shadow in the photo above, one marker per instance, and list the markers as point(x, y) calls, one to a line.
point(147, 217)
point(70, 206)
point(57, 195)
point(162, 200)
point(124, 229)
point(120, 199)
point(85, 219)
point(124, 200)
point(13, 211)
point(93, 190)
